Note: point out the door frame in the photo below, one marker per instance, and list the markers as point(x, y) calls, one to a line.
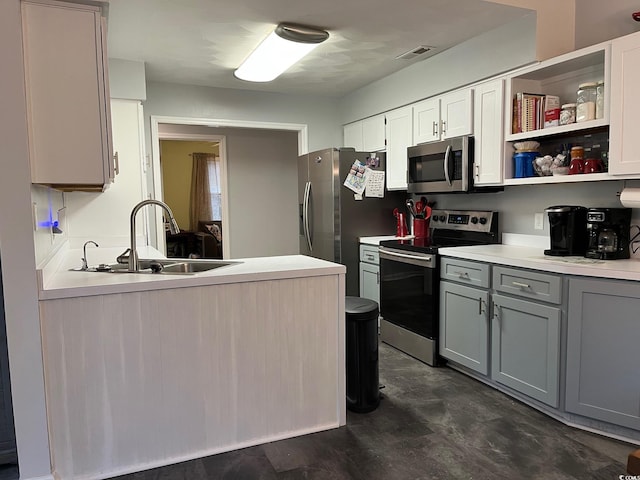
point(156, 120)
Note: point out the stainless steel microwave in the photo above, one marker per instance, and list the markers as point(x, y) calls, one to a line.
point(440, 167)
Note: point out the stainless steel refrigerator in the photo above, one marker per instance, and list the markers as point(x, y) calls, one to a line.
point(331, 219)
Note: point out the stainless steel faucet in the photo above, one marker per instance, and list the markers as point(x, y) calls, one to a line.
point(85, 265)
point(173, 228)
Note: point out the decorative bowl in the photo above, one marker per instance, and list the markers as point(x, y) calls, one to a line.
point(526, 146)
point(560, 171)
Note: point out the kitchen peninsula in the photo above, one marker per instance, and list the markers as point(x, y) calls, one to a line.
point(143, 370)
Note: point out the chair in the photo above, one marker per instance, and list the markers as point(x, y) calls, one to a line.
point(210, 235)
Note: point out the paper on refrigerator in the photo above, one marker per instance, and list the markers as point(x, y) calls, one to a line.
point(361, 178)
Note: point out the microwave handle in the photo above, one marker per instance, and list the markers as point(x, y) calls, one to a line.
point(446, 164)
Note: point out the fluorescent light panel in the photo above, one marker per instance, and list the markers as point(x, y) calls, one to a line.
point(278, 52)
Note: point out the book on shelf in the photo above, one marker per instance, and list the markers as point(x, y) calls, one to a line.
point(528, 112)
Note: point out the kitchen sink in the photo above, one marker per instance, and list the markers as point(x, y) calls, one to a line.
point(166, 266)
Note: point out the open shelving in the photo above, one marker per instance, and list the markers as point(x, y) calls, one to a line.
point(559, 76)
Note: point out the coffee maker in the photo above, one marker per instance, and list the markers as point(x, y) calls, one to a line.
point(567, 230)
point(608, 233)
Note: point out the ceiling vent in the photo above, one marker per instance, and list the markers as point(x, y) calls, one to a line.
point(415, 52)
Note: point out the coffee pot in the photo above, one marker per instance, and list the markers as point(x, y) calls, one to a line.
point(608, 233)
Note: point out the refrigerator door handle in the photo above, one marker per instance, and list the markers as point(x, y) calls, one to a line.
point(305, 213)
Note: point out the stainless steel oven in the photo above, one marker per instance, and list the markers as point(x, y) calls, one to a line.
point(409, 293)
point(410, 279)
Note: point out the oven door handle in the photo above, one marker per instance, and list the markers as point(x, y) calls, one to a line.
point(415, 258)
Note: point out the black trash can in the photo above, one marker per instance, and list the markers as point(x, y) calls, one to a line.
point(363, 394)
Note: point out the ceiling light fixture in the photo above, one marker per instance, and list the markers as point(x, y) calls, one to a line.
point(286, 45)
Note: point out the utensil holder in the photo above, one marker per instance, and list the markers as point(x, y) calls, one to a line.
point(421, 227)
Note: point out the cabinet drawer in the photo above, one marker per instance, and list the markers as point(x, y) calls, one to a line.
point(369, 254)
point(465, 271)
point(538, 286)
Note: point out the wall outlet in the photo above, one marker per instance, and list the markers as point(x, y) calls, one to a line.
point(538, 221)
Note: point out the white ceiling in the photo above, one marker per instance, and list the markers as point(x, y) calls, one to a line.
point(201, 42)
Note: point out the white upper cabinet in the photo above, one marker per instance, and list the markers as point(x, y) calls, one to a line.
point(488, 127)
point(353, 135)
point(624, 155)
point(399, 134)
point(426, 121)
point(457, 113)
point(67, 95)
point(443, 117)
point(373, 134)
point(366, 135)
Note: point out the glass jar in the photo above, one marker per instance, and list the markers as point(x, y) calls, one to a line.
point(600, 99)
point(586, 102)
point(568, 114)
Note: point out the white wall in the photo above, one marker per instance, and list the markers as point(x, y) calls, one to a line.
point(262, 175)
point(499, 50)
point(320, 114)
point(598, 21)
point(127, 79)
point(18, 256)
point(104, 217)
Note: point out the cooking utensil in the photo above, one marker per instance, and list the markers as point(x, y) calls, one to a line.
point(411, 207)
point(395, 212)
point(419, 207)
point(427, 212)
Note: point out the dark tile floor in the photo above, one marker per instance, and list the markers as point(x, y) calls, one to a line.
point(432, 423)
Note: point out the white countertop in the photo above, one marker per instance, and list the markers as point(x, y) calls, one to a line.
point(534, 258)
point(59, 282)
point(377, 240)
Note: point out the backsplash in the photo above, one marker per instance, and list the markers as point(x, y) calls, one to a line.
point(48, 208)
point(519, 204)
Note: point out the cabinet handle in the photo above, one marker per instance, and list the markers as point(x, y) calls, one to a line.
point(435, 129)
point(521, 285)
point(116, 164)
point(444, 127)
point(496, 312)
point(462, 274)
point(477, 171)
point(480, 306)
point(370, 257)
point(378, 278)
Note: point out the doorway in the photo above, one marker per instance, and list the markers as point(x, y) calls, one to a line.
point(187, 129)
point(191, 173)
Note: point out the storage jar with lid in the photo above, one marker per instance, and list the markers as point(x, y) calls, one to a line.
point(586, 102)
point(568, 114)
point(600, 99)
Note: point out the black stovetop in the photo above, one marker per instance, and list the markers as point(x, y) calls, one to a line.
point(452, 228)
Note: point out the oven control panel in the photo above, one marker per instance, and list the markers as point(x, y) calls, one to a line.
point(470, 220)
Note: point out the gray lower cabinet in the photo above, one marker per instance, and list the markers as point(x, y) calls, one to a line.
point(369, 273)
point(464, 326)
point(525, 347)
point(603, 351)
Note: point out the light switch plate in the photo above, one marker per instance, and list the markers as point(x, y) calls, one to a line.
point(538, 221)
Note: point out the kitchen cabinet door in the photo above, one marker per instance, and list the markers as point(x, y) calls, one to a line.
point(353, 136)
point(456, 114)
point(464, 326)
point(624, 155)
point(370, 281)
point(603, 335)
point(525, 347)
point(373, 134)
point(488, 127)
point(399, 134)
point(67, 95)
point(426, 121)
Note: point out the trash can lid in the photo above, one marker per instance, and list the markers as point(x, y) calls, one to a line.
point(358, 308)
